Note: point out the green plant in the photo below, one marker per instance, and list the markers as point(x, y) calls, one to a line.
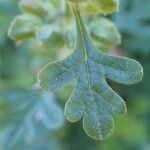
point(92, 97)
point(33, 119)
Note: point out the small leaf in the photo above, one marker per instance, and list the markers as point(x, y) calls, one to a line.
point(50, 35)
point(97, 6)
point(24, 115)
point(23, 27)
point(106, 36)
point(35, 7)
point(92, 98)
point(108, 6)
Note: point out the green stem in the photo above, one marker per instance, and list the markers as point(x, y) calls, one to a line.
point(79, 23)
point(80, 27)
point(82, 36)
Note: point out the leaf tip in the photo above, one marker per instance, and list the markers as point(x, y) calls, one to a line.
point(100, 130)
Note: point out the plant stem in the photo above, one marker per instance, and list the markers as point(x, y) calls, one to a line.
point(82, 35)
point(80, 27)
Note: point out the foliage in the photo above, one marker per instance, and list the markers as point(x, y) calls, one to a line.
point(97, 6)
point(137, 34)
point(106, 37)
point(26, 120)
point(53, 38)
point(92, 98)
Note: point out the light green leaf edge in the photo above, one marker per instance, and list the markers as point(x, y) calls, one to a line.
point(92, 98)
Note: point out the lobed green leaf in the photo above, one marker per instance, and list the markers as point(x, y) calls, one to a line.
point(92, 98)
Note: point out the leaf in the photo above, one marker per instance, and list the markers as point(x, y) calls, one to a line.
point(50, 35)
point(106, 36)
point(98, 6)
point(24, 27)
point(39, 22)
point(92, 98)
point(35, 7)
point(24, 115)
point(137, 34)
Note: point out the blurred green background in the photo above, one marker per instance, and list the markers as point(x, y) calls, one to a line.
point(33, 120)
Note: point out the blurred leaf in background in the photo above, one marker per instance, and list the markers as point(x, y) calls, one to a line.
point(28, 118)
point(133, 20)
point(27, 115)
